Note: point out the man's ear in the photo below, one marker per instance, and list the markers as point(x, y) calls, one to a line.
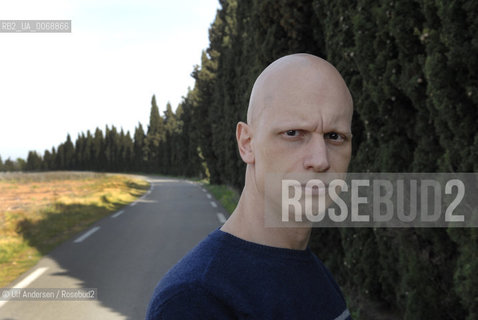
point(244, 142)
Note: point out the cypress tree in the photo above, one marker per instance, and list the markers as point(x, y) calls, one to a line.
point(79, 152)
point(155, 135)
point(47, 161)
point(193, 166)
point(98, 151)
point(19, 164)
point(87, 157)
point(168, 151)
point(54, 160)
point(177, 160)
point(205, 81)
point(112, 149)
point(126, 152)
point(139, 145)
point(68, 154)
point(60, 159)
point(9, 165)
point(34, 162)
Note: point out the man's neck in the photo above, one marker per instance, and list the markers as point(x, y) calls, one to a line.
point(247, 223)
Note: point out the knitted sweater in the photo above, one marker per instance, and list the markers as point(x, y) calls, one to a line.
point(225, 277)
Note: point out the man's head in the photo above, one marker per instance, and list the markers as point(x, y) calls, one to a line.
point(298, 121)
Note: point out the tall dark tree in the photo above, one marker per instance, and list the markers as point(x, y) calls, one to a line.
point(139, 138)
point(87, 155)
point(80, 145)
point(112, 148)
point(9, 165)
point(34, 162)
point(53, 163)
point(192, 164)
point(205, 81)
point(19, 164)
point(154, 137)
point(126, 151)
point(68, 154)
point(48, 161)
point(98, 153)
point(168, 147)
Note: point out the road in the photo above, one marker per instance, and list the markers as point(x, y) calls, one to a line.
point(123, 255)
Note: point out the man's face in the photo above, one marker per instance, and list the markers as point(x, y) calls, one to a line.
point(304, 129)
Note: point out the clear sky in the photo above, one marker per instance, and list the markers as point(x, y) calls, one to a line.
point(119, 53)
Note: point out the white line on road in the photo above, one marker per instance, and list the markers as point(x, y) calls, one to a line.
point(213, 204)
point(209, 196)
point(203, 189)
point(221, 217)
point(29, 279)
point(87, 234)
point(117, 214)
point(32, 277)
point(133, 204)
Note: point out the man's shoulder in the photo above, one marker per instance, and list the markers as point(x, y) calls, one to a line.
point(187, 300)
point(188, 282)
point(190, 270)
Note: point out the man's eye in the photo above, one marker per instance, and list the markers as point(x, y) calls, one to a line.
point(334, 136)
point(292, 133)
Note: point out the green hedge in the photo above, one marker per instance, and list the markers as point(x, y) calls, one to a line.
point(411, 67)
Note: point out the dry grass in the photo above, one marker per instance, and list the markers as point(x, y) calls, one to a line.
point(38, 211)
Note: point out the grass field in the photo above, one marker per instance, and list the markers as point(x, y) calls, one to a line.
point(38, 211)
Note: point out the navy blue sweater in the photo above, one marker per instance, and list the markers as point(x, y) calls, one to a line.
point(225, 277)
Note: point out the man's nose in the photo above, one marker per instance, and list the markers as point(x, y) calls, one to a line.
point(317, 157)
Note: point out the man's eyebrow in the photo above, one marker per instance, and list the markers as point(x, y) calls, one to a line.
point(299, 124)
point(292, 124)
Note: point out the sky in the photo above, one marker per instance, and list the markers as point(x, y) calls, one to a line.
point(105, 72)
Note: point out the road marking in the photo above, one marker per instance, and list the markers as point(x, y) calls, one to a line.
point(133, 204)
point(117, 214)
point(209, 196)
point(32, 277)
point(29, 279)
point(213, 204)
point(87, 234)
point(221, 217)
point(203, 189)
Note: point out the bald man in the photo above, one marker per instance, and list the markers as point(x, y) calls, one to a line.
point(298, 122)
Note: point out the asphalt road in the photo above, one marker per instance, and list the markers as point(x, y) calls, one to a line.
point(123, 255)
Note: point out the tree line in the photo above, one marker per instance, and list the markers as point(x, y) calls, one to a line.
point(410, 66)
point(162, 148)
